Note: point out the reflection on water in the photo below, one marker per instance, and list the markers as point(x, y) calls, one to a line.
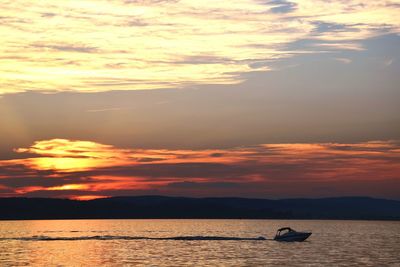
point(99, 242)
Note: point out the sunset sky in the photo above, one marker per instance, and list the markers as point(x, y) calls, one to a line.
point(246, 98)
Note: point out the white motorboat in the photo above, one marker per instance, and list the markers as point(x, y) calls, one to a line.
point(289, 235)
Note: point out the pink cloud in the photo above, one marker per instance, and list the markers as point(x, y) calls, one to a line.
point(79, 169)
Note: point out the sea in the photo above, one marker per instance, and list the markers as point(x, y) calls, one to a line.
point(197, 243)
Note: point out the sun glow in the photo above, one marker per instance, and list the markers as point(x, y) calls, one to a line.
point(68, 187)
point(71, 156)
point(87, 197)
point(64, 155)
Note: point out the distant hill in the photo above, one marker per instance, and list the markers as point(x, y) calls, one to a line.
point(358, 208)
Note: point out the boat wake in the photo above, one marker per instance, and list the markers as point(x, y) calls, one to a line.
point(112, 237)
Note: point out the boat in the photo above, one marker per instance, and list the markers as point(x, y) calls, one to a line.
point(289, 235)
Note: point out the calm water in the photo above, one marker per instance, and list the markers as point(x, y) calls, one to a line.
point(113, 243)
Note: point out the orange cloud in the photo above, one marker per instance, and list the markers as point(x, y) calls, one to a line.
point(84, 170)
point(70, 156)
point(69, 187)
point(87, 197)
point(74, 155)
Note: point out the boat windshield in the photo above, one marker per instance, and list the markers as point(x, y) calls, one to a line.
point(284, 231)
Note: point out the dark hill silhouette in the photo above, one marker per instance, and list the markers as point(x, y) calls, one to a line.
point(359, 208)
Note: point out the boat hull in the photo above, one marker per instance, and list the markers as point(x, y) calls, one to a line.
point(295, 237)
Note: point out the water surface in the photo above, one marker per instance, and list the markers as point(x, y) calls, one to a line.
point(196, 242)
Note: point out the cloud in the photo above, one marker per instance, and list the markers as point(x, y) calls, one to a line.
point(282, 6)
point(329, 27)
point(268, 170)
point(93, 46)
point(67, 48)
point(343, 60)
point(388, 62)
point(194, 185)
point(104, 109)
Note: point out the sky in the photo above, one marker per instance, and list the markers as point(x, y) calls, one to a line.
point(244, 98)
